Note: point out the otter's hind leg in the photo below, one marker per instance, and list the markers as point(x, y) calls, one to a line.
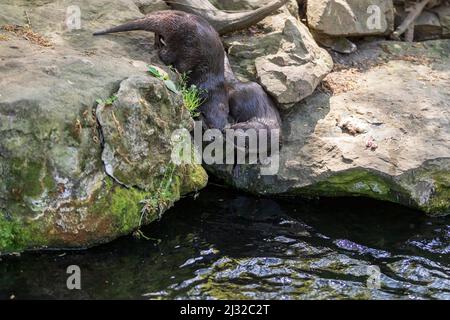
point(262, 128)
point(259, 151)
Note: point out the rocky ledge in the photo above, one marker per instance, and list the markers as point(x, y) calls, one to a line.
point(379, 127)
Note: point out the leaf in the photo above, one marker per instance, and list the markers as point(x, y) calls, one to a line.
point(171, 86)
point(99, 101)
point(154, 72)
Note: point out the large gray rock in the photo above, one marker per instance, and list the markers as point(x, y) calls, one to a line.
point(281, 55)
point(147, 6)
point(443, 12)
point(137, 132)
point(427, 26)
point(239, 5)
point(337, 44)
point(384, 134)
point(54, 188)
point(346, 18)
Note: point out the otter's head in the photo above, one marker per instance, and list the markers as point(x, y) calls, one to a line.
point(215, 116)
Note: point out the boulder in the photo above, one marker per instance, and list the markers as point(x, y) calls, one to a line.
point(245, 5)
point(337, 44)
point(75, 172)
point(238, 5)
point(427, 26)
point(281, 54)
point(345, 18)
point(443, 12)
point(386, 139)
point(147, 6)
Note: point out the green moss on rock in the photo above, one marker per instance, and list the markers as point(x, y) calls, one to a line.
point(194, 178)
point(131, 207)
point(126, 208)
point(439, 202)
point(28, 178)
point(115, 210)
point(122, 204)
point(442, 199)
point(16, 235)
point(357, 182)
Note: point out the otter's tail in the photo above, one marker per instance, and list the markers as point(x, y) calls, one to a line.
point(141, 24)
point(152, 22)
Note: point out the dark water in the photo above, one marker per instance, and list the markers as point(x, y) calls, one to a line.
point(224, 245)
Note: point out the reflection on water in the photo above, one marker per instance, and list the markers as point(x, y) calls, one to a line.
point(225, 245)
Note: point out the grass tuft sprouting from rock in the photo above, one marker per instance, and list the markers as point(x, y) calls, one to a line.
point(193, 97)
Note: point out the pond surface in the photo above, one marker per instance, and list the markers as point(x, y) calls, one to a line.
point(226, 245)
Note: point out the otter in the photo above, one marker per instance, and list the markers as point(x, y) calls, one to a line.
point(191, 45)
point(250, 106)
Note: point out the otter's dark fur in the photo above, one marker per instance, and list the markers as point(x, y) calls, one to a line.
point(250, 106)
point(191, 45)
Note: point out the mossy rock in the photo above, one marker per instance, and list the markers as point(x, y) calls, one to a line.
point(54, 188)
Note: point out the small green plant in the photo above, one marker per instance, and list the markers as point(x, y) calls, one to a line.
point(138, 234)
point(162, 198)
point(163, 77)
point(155, 72)
point(192, 96)
point(108, 101)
